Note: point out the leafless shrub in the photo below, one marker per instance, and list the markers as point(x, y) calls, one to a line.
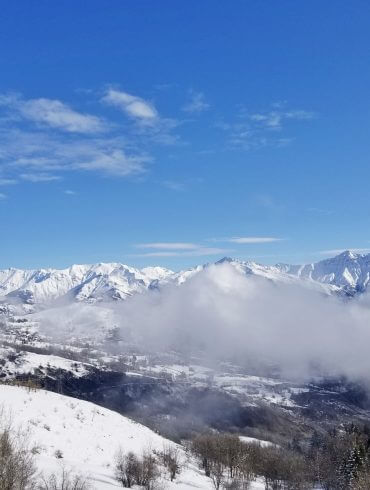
point(17, 469)
point(65, 480)
point(132, 470)
point(171, 460)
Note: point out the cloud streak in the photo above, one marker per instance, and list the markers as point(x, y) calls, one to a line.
point(53, 113)
point(179, 249)
point(169, 245)
point(133, 106)
point(275, 119)
point(253, 239)
point(39, 177)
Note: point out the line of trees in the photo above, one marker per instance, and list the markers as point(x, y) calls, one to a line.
point(336, 460)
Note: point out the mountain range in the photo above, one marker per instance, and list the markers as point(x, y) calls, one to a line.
point(346, 273)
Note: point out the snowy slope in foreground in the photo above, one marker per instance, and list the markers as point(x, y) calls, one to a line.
point(88, 436)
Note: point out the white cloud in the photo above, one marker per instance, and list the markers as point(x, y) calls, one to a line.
point(271, 120)
point(197, 252)
point(54, 113)
point(40, 155)
point(247, 317)
point(261, 129)
point(169, 245)
point(275, 119)
point(253, 239)
point(69, 192)
point(3, 196)
point(30, 146)
point(132, 105)
point(39, 177)
point(179, 249)
point(196, 103)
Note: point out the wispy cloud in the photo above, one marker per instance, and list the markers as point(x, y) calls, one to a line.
point(148, 126)
point(178, 249)
point(8, 181)
point(2, 196)
point(254, 130)
point(40, 155)
point(69, 192)
point(198, 252)
point(132, 105)
point(196, 103)
point(275, 119)
point(169, 245)
point(39, 177)
point(53, 113)
point(253, 239)
point(42, 138)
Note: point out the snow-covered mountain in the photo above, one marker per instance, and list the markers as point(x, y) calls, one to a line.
point(79, 282)
point(347, 272)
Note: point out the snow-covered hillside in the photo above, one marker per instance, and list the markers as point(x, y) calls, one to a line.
point(91, 283)
point(87, 437)
point(84, 438)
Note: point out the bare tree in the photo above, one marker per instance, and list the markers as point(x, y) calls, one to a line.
point(131, 470)
point(17, 469)
point(127, 468)
point(66, 480)
point(217, 474)
point(171, 460)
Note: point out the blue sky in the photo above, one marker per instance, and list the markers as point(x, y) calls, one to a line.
point(174, 133)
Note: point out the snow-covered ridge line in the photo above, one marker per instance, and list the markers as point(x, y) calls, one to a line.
point(347, 270)
point(79, 282)
point(106, 281)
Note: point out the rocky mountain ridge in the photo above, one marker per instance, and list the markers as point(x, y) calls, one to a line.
point(347, 272)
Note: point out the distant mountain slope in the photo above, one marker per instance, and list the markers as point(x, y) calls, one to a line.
point(347, 272)
point(80, 282)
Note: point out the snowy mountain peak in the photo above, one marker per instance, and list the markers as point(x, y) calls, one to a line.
point(226, 260)
point(348, 271)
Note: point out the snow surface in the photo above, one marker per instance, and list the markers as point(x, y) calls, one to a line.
point(88, 437)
